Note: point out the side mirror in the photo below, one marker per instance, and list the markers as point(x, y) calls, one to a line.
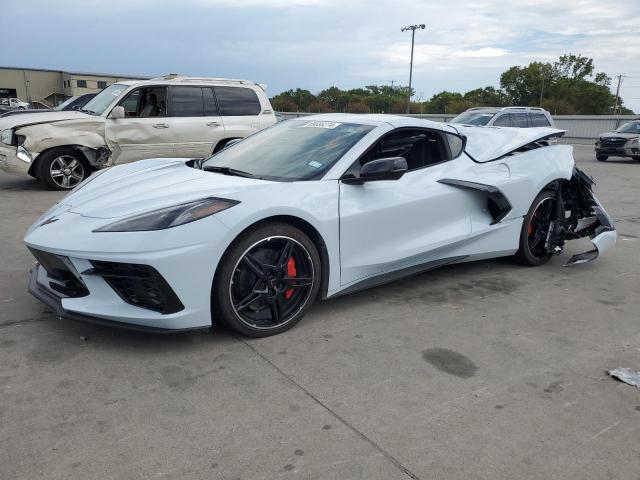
point(117, 112)
point(391, 168)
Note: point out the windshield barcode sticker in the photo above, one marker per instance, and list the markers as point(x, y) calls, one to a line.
point(322, 124)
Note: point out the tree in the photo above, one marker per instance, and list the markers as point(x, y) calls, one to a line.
point(487, 97)
point(574, 67)
point(568, 86)
point(283, 104)
point(441, 102)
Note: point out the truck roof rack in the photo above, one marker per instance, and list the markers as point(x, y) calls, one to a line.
point(525, 109)
point(184, 78)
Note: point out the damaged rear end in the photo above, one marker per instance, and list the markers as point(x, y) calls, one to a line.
point(579, 214)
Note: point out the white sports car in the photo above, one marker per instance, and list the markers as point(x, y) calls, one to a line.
point(314, 207)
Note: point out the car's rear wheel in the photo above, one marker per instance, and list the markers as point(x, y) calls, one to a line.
point(61, 169)
point(601, 158)
point(268, 279)
point(535, 228)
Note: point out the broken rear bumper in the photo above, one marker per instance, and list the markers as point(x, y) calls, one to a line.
point(604, 237)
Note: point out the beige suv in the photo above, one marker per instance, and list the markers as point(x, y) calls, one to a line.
point(169, 116)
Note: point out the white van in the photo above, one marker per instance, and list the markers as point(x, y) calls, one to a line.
point(171, 116)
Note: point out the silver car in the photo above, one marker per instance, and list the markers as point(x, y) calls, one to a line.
point(518, 117)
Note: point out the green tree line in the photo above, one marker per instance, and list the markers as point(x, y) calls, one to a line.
point(569, 86)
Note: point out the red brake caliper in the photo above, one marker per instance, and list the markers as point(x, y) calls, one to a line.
point(291, 272)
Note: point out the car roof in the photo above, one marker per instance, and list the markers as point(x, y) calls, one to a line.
point(378, 119)
point(181, 80)
point(505, 109)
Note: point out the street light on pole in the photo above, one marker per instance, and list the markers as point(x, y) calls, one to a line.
point(413, 29)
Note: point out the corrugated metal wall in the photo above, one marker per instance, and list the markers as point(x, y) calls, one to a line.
point(581, 129)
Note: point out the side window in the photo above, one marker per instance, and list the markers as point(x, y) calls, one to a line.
point(234, 101)
point(210, 106)
point(186, 102)
point(519, 120)
point(420, 148)
point(503, 120)
point(146, 102)
point(539, 120)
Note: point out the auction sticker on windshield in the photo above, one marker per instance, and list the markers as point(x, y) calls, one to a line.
point(323, 124)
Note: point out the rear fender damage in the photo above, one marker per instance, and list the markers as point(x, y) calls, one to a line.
point(579, 214)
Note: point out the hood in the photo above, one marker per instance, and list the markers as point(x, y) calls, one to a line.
point(148, 185)
point(490, 143)
point(619, 135)
point(16, 121)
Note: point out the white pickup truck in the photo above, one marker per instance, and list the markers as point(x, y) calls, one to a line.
point(14, 103)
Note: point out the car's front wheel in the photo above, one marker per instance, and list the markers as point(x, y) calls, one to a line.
point(535, 228)
point(601, 158)
point(267, 280)
point(61, 169)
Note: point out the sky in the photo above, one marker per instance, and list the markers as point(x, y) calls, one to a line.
point(314, 44)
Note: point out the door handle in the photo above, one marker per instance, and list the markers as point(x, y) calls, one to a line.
point(160, 125)
point(213, 124)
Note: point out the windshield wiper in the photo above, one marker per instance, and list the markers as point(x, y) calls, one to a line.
point(90, 112)
point(228, 171)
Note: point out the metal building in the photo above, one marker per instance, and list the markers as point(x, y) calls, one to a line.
point(51, 87)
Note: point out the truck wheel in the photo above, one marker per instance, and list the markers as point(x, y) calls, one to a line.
point(61, 169)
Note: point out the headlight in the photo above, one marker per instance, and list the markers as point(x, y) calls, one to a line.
point(6, 136)
point(169, 217)
point(23, 154)
point(634, 141)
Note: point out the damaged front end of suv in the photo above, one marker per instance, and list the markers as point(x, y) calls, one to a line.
point(577, 213)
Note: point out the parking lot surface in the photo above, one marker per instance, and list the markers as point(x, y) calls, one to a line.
point(485, 370)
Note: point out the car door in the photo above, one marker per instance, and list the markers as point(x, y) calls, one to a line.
point(195, 123)
point(145, 131)
point(390, 225)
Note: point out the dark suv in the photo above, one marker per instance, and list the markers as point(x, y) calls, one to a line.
point(623, 142)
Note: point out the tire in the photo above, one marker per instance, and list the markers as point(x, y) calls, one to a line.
point(533, 234)
point(70, 166)
point(601, 158)
point(267, 280)
point(636, 158)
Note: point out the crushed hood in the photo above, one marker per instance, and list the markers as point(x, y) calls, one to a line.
point(16, 121)
point(148, 185)
point(489, 143)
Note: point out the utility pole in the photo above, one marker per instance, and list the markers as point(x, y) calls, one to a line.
point(541, 90)
point(413, 29)
point(392, 82)
point(615, 108)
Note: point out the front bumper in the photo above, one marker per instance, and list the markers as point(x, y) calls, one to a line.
point(10, 163)
point(626, 150)
point(186, 257)
point(52, 299)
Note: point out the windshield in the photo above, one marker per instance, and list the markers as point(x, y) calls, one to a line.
point(473, 118)
point(630, 127)
point(101, 101)
point(291, 150)
point(65, 103)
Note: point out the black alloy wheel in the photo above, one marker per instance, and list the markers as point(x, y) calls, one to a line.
point(535, 229)
point(273, 279)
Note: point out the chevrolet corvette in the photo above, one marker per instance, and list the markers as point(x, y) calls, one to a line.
point(310, 208)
